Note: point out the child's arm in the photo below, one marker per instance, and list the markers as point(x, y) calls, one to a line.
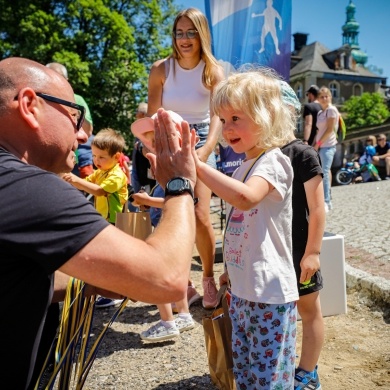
point(143, 199)
point(84, 185)
point(240, 195)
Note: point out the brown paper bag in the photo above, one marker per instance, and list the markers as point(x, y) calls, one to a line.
point(218, 338)
point(137, 224)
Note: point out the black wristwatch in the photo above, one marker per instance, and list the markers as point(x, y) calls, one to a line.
point(178, 186)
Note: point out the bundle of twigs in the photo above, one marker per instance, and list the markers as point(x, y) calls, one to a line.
point(71, 351)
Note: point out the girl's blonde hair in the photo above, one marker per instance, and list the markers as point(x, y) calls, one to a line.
point(202, 27)
point(257, 93)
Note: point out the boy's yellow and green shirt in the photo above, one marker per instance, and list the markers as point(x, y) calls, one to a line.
point(114, 182)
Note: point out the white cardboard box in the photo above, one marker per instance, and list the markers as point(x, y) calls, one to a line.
point(334, 294)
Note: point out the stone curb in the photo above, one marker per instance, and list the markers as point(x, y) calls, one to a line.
point(377, 289)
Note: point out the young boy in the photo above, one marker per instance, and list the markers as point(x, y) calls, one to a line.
point(108, 183)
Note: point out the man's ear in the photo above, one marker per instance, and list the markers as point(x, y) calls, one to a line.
point(29, 107)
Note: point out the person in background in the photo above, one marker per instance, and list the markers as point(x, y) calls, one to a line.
point(382, 157)
point(326, 141)
point(108, 183)
point(310, 112)
point(257, 241)
point(166, 328)
point(308, 224)
point(184, 83)
point(169, 327)
point(58, 229)
point(141, 176)
point(230, 160)
point(84, 164)
point(370, 140)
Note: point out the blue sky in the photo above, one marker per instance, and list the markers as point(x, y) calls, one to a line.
point(323, 20)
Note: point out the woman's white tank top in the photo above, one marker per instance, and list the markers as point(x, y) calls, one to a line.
point(185, 93)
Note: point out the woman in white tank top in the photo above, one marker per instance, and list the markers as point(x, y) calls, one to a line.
point(184, 83)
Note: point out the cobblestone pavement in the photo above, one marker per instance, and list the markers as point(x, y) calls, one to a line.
point(360, 214)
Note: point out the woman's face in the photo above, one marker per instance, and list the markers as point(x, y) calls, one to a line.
point(324, 99)
point(188, 47)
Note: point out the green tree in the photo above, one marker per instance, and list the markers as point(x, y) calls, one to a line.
point(365, 110)
point(108, 47)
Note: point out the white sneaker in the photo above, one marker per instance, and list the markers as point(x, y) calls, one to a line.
point(103, 302)
point(184, 324)
point(326, 208)
point(159, 332)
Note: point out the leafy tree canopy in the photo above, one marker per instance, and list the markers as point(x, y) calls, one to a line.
point(365, 110)
point(108, 47)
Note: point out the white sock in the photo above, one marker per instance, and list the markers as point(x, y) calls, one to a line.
point(185, 316)
point(169, 324)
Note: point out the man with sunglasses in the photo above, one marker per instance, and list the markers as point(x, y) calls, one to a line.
point(84, 165)
point(382, 157)
point(47, 226)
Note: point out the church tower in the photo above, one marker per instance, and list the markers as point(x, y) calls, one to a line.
point(351, 34)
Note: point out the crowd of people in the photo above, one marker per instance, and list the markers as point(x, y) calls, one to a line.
point(271, 248)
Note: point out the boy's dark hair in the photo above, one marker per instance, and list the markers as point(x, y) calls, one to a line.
point(110, 141)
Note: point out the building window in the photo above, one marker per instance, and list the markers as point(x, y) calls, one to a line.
point(357, 90)
point(334, 89)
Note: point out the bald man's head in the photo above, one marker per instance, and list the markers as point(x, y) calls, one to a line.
point(17, 73)
point(59, 68)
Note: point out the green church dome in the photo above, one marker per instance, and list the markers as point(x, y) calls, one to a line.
point(359, 56)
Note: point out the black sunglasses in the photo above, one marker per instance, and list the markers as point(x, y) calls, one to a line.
point(80, 109)
point(190, 34)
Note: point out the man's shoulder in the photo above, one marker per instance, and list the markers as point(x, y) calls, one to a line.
point(310, 108)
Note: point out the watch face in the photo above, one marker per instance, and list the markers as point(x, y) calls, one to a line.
point(176, 184)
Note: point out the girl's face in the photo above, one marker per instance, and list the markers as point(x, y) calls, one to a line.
point(324, 99)
point(188, 47)
point(240, 132)
point(102, 159)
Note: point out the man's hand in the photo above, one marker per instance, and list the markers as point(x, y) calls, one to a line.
point(173, 153)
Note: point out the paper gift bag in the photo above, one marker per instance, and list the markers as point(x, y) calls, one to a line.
point(137, 224)
point(218, 338)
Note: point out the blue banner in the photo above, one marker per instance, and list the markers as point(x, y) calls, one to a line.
point(251, 32)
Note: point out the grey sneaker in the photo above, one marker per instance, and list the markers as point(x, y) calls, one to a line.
point(183, 324)
point(159, 332)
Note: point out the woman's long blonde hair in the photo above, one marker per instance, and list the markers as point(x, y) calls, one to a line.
point(201, 25)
